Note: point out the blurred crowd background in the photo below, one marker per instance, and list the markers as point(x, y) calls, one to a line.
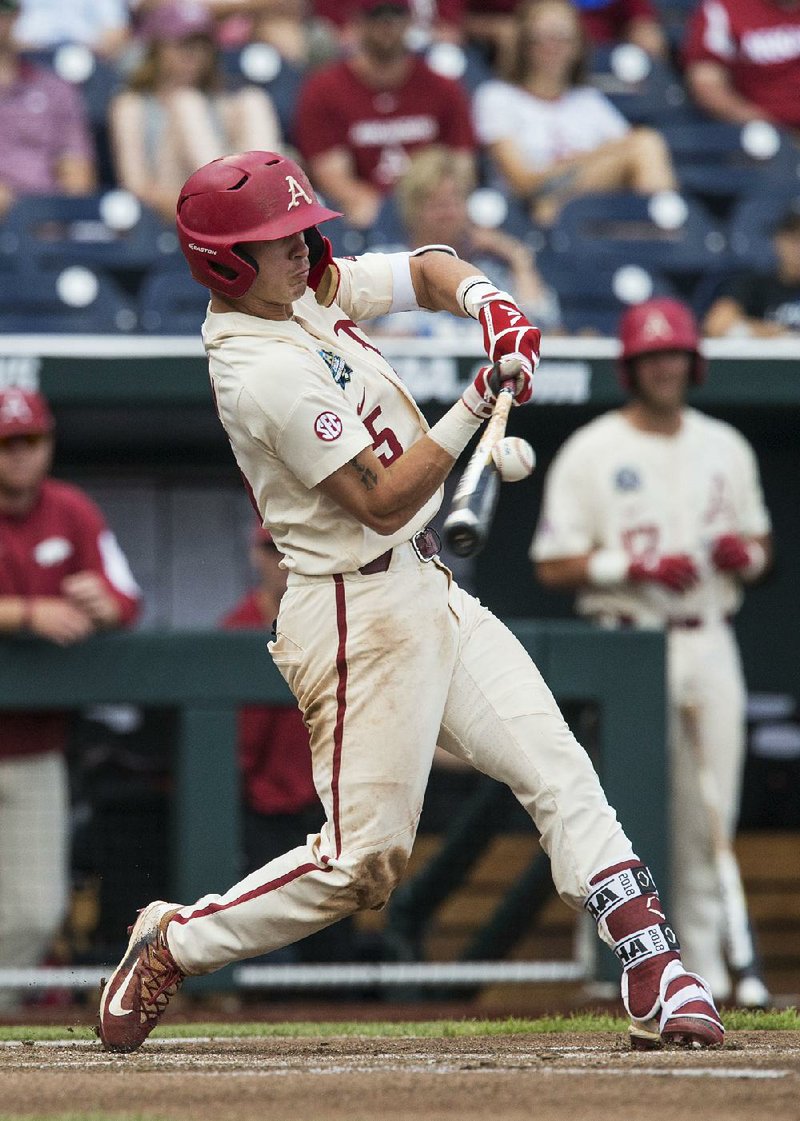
point(654, 141)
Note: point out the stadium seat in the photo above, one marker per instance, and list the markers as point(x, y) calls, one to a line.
point(645, 90)
point(171, 302)
point(463, 64)
point(75, 300)
point(260, 64)
point(718, 161)
point(97, 80)
point(752, 222)
point(111, 230)
point(592, 300)
point(667, 234)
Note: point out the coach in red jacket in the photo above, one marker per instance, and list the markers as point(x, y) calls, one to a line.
point(62, 577)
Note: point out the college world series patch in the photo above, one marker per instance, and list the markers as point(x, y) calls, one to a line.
point(340, 371)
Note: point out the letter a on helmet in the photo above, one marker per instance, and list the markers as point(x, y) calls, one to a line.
point(252, 196)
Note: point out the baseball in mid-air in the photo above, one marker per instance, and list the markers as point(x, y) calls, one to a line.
point(514, 459)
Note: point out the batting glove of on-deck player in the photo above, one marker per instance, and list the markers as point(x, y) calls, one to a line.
point(731, 553)
point(481, 395)
point(506, 331)
point(676, 571)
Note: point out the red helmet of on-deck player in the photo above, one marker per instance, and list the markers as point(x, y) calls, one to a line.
point(252, 196)
point(659, 324)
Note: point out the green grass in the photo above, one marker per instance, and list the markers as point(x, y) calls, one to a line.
point(736, 1020)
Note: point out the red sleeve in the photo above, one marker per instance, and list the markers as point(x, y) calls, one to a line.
point(97, 550)
point(706, 37)
point(450, 11)
point(319, 124)
point(455, 117)
point(639, 9)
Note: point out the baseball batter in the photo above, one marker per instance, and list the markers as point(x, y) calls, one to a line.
point(654, 514)
point(385, 654)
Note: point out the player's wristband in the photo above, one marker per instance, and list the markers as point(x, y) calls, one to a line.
point(454, 430)
point(607, 567)
point(475, 291)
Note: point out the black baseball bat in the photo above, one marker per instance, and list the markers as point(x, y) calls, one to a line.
point(472, 510)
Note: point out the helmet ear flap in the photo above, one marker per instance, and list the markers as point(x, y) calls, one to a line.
point(248, 259)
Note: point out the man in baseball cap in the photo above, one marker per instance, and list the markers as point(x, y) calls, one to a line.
point(62, 577)
point(23, 412)
point(653, 514)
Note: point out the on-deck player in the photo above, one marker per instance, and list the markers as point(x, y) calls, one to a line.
point(654, 514)
point(385, 654)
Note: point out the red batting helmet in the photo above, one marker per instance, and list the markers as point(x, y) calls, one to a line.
point(252, 196)
point(24, 412)
point(660, 324)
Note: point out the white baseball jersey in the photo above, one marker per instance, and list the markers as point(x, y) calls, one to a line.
point(384, 664)
point(301, 398)
point(614, 486)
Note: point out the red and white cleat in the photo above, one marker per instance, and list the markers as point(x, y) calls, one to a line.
point(143, 983)
point(687, 1018)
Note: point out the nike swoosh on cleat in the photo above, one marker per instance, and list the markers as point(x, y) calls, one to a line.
point(114, 1005)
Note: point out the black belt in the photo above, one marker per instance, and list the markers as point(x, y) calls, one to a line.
point(426, 544)
point(680, 622)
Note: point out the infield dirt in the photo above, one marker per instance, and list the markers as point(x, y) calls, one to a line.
point(591, 1076)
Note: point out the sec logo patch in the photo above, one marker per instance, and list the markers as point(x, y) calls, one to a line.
point(328, 426)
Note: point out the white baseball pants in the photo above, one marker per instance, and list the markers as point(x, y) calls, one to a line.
point(705, 676)
point(34, 823)
point(383, 667)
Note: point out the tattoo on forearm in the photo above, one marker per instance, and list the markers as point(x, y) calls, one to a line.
point(368, 478)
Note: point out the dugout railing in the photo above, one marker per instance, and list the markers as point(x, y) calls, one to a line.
point(205, 676)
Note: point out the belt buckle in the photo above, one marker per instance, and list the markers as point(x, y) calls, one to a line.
point(426, 539)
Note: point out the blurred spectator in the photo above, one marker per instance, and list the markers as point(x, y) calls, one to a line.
point(45, 139)
point(291, 28)
point(175, 115)
point(101, 25)
point(606, 22)
point(358, 121)
point(432, 200)
point(743, 60)
point(281, 806)
point(762, 304)
point(550, 135)
point(287, 24)
point(490, 26)
point(439, 21)
point(62, 578)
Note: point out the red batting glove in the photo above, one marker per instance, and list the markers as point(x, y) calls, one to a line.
point(480, 397)
point(323, 274)
point(730, 553)
point(677, 572)
point(507, 332)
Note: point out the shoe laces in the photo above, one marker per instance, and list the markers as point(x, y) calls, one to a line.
point(159, 980)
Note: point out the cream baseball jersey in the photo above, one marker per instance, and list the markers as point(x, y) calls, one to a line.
point(300, 398)
point(613, 486)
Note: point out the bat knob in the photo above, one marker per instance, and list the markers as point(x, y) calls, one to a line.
point(462, 532)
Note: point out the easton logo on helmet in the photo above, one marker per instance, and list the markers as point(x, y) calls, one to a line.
point(202, 249)
point(297, 192)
